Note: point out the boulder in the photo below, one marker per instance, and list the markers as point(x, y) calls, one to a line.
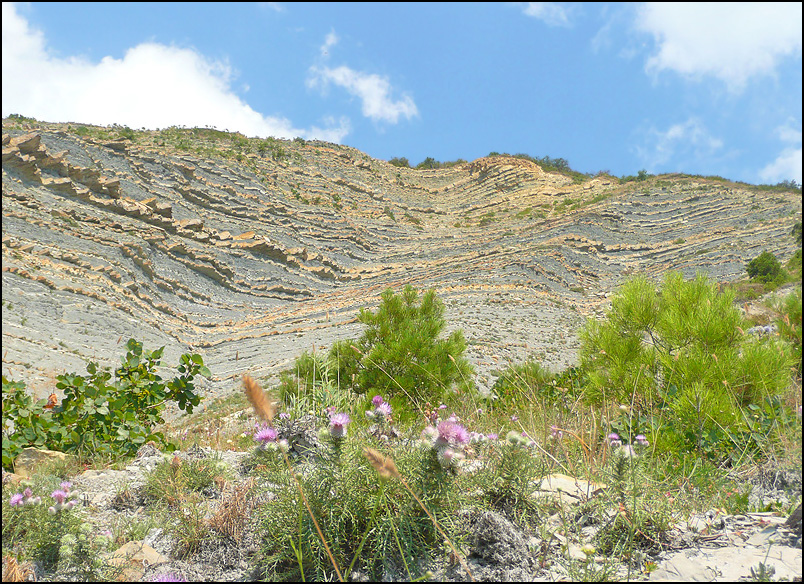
point(32, 459)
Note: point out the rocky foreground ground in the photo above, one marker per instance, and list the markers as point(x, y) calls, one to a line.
point(707, 547)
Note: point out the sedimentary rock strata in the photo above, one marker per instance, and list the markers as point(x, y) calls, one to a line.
point(251, 258)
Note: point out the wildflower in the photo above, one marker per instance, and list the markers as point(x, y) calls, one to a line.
point(337, 425)
point(377, 400)
point(17, 499)
point(429, 435)
point(451, 434)
point(449, 458)
point(267, 434)
point(167, 577)
point(66, 486)
point(27, 492)
point(442, 407)
point(492, 436)
point(555, 433)
point(641, 440)
point(514, 418)
point(284, 416)
point(59, 495)
point(384, 408)
point(614, 440)
point(588, 549)
point(627, 451)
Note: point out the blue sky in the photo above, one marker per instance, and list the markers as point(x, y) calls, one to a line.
point(689, 87)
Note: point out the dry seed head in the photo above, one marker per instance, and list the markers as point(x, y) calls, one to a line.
point(264, 407)
point(384, 465)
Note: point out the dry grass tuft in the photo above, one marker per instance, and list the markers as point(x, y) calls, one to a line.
point(13, 571)
point(232, 514)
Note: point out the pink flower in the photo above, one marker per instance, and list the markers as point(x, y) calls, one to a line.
point(265, 435)
point(59, 495)
point(384, 408)
point(16, 500)
point(377, 400)
point(451, 433)
point(337, 425)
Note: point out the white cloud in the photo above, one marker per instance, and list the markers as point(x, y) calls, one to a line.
point(787, 165)
point(152, 86)
point(682, 143)
point(330, 41)
point(373, 91)
point(732, 41)
point(552, 13)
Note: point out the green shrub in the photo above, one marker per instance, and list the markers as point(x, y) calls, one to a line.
point(525, 382)
point(680, 358)
point(400, 352)
point(96, 416)
point(401, 162)
point(765, 268)
point(789, 323)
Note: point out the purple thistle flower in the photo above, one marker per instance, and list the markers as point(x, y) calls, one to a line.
point(337, 425)
point(641, 440)
point(614, 440)
point(492, 436)
point(28, 493)
point(265, 435)
point(16, 500)
point(451, 433)
point(377, 400)
point(66, 486)
point(167, 577)
point(384, 408)
point(59, 495)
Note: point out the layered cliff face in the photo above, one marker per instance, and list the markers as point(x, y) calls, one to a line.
point(252, 251)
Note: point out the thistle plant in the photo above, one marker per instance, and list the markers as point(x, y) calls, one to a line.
point(81, 554)
point(508, 476)
point(35, 529)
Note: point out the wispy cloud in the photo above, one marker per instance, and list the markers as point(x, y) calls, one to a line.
point(330, 41)
point(731, 41)
point(679, 145)
point(551, 13)
point(374, 92)
point(787, 165)
point(152, 86)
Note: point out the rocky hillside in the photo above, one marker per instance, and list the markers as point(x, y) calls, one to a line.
point(252, 251)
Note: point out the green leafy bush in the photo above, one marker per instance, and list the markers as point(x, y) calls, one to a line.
point(401, 162)
point(765, 268)
point(96, 416)
point(525, 382)
point(400, 352)
point(681, 360)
